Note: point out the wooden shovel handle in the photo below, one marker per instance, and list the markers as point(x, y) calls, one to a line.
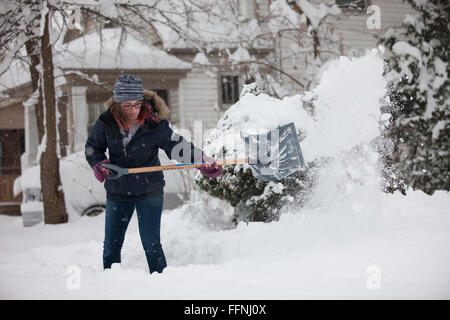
point(185, 166)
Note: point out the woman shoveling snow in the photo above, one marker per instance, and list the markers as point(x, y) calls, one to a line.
point(133, 128)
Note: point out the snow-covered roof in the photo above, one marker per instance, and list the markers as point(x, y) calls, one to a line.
point(89, 52)
point(102, 51)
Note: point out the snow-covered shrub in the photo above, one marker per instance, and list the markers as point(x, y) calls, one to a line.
point(258, 200)
point(421, 107)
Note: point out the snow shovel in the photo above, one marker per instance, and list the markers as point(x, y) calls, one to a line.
point(272, 156)
point(116, 171)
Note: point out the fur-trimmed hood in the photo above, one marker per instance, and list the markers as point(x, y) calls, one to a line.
point(156, 101)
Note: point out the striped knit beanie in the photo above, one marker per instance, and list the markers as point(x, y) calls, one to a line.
point(128, 87)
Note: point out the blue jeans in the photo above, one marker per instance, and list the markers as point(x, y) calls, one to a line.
point(118, 216)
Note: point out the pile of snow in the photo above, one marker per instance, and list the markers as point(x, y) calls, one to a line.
point(350, 240)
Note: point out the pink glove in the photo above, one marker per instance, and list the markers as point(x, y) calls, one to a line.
point(101, 173)
point(209, 168)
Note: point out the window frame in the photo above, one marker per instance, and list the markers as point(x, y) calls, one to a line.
point(229, 96)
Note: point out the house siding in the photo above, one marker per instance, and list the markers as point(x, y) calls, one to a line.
point(393, 12)
point(174, 102)
point(200, 94)
point(291, 62)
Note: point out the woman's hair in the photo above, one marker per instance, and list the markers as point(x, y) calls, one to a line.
point(124, 122)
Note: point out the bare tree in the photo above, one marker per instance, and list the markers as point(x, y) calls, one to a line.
point(54, 204)
point(21, 26)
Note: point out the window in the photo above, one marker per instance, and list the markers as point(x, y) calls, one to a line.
point(95, 109)
point(230, 89)
point(352, 4)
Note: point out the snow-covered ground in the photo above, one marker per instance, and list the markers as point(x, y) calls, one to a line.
point(348, 241)
point(368, 245)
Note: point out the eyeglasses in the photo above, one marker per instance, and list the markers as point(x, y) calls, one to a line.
point(130, 106)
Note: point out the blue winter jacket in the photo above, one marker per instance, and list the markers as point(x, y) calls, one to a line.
point(141, 151)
